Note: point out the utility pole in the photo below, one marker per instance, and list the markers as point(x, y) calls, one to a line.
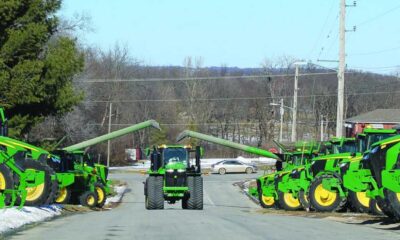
point(294, 117)
point(342, 65)
point(282, 112)
point(109, 130)
point(322, 128)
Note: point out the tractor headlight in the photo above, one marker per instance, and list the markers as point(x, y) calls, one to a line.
point(170, 170)
point(343, 165)
point(294, 171)
point(181, 170)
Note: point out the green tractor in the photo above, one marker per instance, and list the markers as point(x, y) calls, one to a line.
point(288, 193)
point(266, 195)
point(22, 179)
point(79, 180)
point(34, 158)
point(70, 174)
point(173, 177)
point(326, 190)
point(376, 174)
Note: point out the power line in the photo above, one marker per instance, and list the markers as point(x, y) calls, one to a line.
point(239, 98)
point(387, 67)
point(248, 77)
point(374, 52)
point(378, 16)
point(323, 27)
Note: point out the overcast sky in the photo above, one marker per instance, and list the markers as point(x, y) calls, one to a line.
point(243, 33)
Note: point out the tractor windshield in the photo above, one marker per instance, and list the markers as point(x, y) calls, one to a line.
point(173, 155)
point(347, 147)
point(373, 138)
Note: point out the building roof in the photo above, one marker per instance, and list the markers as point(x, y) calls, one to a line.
point(377, 116)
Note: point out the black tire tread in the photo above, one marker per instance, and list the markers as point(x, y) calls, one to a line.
point(195, 200)
point(155, 193)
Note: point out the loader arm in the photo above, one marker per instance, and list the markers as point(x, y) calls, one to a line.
point(226, 143)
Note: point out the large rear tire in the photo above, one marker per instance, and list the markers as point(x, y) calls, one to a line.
point(43, 193)
point(288, 202)
point(359, 202)
point(6, 181)
point(155, 193)
point(323, 200)
point(195, 200)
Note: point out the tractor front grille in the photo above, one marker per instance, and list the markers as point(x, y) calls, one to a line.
point(175, 179)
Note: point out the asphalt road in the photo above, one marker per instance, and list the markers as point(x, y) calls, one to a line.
point(227, 214)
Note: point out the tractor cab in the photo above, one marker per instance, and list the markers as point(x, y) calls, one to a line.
point(371, 136)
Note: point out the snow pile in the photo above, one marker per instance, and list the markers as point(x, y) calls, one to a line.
point(12, 218)
point(120, 190)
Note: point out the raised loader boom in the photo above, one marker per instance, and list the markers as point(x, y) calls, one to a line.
point(226, 143)
point(112, 135)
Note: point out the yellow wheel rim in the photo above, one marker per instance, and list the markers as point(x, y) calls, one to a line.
point(398, 196)
point(324, 197)
point(90, 201)
point(2, 182)
point(268, 201)
point(291, 201)
point(100, 194)
point(34, 193)
point(62, 195)
point(363, 199)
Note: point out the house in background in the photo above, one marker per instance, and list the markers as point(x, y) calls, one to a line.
point(379, 118)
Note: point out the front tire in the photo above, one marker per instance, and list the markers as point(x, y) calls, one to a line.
point(6, 181)
point(41, 194)
point(323, 200)
point(63, 196)
point(88, 199)
point(101, 194)
point(195, 201)
point(288, 202)
point(249, 170)
point(393, 202)
point(265, 201)
point(359, 202)
point(374, 208)
point(222, 171)
point(304, 200)
point(155, 193)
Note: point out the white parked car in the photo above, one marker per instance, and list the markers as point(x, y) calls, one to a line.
point(232, 166)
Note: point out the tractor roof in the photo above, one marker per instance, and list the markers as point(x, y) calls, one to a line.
point(378, 131)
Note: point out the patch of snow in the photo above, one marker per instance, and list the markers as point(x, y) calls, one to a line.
point(12, 218)
point(120, 190)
